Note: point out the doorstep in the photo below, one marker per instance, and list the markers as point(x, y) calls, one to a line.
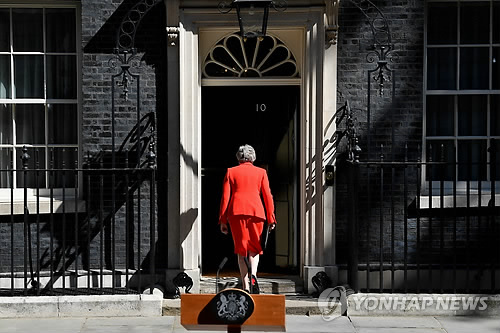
point(283, 285)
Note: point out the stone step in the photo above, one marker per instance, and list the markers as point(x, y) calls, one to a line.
point(284, 285)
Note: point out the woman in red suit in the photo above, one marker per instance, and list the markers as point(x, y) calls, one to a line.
point(242, 207)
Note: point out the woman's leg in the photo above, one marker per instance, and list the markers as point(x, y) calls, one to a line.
point(255, 227)
point(246, 231)
point(254, 262)
point(244, 272)
point(240, 238)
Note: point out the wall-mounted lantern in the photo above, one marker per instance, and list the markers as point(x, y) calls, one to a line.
point(252, 15)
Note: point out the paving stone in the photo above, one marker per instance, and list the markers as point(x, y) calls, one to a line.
point(462, 324)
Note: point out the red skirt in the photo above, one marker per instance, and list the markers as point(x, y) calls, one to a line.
point(246, 231)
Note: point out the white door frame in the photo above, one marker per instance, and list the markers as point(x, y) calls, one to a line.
point(185, 142)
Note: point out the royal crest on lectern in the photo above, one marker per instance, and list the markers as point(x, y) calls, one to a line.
point(234, 305)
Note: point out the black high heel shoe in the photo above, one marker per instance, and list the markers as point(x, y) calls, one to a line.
point(255, 285)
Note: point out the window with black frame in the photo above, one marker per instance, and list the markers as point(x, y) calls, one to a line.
point(462, 95)
point(38, 94)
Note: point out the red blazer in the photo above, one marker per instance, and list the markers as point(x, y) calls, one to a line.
point(241, 193)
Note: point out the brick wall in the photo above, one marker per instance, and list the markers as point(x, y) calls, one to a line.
point(100, 20)
point(405, 19)
point(434, 238)
point(402, 114)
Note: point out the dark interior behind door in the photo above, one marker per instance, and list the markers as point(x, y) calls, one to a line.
point(265, 118)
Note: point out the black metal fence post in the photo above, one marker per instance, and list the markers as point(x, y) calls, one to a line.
point(381, 222)
point(492, 212)
point(12, 180)
point(64, 227)
point(38, 246)
point(88, 232)
point(25, 159)
point(76, 217)
point(52, 231)
point(418, 221)
point(101, 225)
point(151, 157)
point(128, 221)
point(353, 229)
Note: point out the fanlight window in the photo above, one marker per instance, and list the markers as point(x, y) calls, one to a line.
point(255, 57)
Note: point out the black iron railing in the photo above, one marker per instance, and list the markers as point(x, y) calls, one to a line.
point(77, 230)
point(416, 226)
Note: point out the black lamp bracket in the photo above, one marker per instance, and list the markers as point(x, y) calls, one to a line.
point(278, 5)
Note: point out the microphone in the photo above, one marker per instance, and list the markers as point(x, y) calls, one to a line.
point(223, 262)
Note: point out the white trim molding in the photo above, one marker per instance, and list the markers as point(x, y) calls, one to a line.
point(331, 21)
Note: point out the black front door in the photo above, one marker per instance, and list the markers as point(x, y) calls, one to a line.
point(265, 118)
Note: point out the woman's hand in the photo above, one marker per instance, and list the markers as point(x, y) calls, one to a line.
point(223, 228)
point(272, 226)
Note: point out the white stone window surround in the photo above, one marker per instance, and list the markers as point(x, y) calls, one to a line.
point(40, 202)
point(460, 201)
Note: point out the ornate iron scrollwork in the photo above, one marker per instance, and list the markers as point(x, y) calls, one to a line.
point(382, 49)
point(125, 53)
point(382, 55)
point(125, 57)
point(126, 33)
point(353, 149)
point(376, 19)
point(345, 113)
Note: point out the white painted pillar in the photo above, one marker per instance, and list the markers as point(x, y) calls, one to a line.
point(190, 152)
point(184, 230)
point(330, 145)
point(313, 224)
point(320, 92)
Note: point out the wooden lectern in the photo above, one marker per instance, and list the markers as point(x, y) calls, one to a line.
point(234, 310)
